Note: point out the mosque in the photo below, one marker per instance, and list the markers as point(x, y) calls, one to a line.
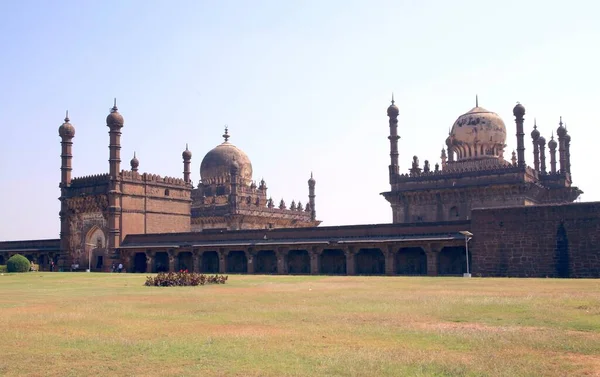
point(474, 212)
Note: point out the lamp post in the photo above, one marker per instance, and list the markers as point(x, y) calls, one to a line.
point(89, 257)
point(468, 235)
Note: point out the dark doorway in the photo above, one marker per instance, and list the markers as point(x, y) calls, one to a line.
point(452, 261)
point(139, 263)
point(2, 261)
point(210, 262)
point(185, 261)
point(266, 262)
point(562, 252)
point(99, 262)
point(161, 262)
point(298, 262)
point(237, 263)
point(411, 261)
point(333, 262)
point(370, 262)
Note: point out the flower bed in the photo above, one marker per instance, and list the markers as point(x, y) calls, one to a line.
point(183, 278)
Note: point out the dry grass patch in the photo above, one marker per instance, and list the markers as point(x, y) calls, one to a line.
point(70, 324)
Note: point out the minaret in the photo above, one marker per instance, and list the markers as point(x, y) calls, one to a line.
point(444, 158)
point(135, 163)
point(568, 149)
point(552, 146)
point(519, 112)
point(311, 197)
point(392, 113)
point(535, 135)
point(114, 121)
point(187, 162)
point(542, 144)
point(449, 146)
point(66, 132)
point(562, 155)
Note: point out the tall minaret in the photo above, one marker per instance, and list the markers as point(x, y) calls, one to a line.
point(562, 153)
point(114, 121)
point(392, 113)
point(535, 135)
point(66, 132)
point(519, 112)
point(187, 159)
point(568, 149)
point(311, 197)
point(542, 144)
point(552, 146)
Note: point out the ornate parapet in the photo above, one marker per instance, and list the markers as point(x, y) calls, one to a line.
point(132, 176)
point(89, 180)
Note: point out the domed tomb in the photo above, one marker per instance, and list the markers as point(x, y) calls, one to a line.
point(216, 165)
point(477, 134)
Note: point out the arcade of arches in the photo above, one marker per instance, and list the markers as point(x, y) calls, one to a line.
point(326, 260)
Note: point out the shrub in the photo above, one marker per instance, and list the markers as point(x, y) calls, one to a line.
point(3, 269)
point(17, 263)
point(183, 278)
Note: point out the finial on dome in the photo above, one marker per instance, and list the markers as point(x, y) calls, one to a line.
point(226, 134)
point(67, 120)
point(560, 123)
point(114, 108)
point(476, 100)
point(534, 123)
point(393, 98)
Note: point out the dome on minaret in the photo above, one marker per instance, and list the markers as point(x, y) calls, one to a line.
point(392, 110)
point(135, 163)
point(478, 133)
point(114, 118)
point(66, 130)
point(216, 165)
point(187, 154)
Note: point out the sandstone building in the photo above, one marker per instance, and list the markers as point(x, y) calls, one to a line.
point(522, 218)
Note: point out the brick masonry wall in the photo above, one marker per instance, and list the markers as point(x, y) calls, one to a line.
point(530, 241)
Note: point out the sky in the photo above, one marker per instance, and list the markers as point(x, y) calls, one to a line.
point(302, 85)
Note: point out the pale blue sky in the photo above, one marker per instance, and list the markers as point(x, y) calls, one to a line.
point(303, 86)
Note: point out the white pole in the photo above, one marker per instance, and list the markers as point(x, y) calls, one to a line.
point(467, 252)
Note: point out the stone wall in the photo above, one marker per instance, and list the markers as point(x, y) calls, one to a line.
point(537, 241)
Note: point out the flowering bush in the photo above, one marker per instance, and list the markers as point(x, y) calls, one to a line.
point(183, 278)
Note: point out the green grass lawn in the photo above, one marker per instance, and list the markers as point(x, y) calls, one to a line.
point(78, 324)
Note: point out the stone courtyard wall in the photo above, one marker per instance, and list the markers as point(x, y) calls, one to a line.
point(537, 241)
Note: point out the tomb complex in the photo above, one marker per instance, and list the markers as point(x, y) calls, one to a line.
point(475, 211)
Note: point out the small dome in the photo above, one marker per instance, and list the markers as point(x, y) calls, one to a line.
point(392, 110)
point(535, 134)
point(66, 130)
point(552, 143)
point(478, 133)
point(561, 131)
point(311, 180)
point(567, 138)
point(187, 154)
point(134, 162)
point(541, 141)
point(216, 165)
point(114, 119)
point(519, 110)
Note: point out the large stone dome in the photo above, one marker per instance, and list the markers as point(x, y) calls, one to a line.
point(479, 133)
point(216, 165)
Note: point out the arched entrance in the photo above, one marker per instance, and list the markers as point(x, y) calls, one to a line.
point(210, 262)
point(185, 261)
point(411, 261)
point(333, 262)
point(139, 263)
point(161, 262)
point(266, 262)
point(237, 263)
point(370, 262)
point(298, 262)
point(452, 261)
point(96, 240)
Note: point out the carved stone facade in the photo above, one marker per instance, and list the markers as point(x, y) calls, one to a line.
point(473, 172)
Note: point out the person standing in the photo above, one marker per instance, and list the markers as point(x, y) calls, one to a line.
point(120, 267)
